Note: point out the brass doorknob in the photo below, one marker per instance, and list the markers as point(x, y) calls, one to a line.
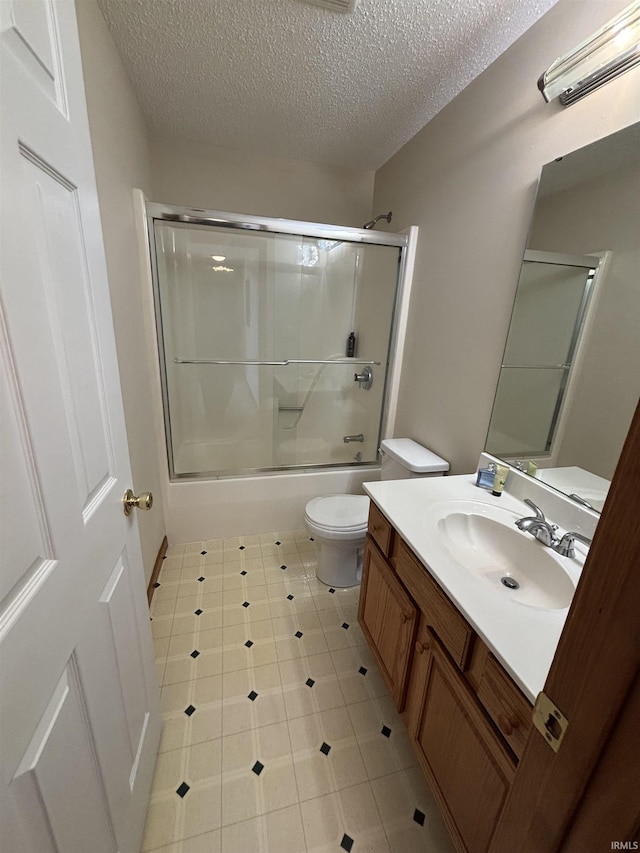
point(130, 501)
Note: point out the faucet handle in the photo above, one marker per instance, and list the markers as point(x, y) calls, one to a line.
point(565, 548)
point(536, 509)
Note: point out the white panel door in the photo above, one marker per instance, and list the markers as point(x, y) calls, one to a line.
point(79, 709)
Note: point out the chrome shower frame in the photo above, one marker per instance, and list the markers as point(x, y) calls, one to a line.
point(222, 219)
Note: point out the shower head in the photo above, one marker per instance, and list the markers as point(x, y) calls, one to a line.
point(372, 222)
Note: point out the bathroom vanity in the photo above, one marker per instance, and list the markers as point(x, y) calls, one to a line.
point(463, 662)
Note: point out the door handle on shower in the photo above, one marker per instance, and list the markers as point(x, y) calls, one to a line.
point(364, 379)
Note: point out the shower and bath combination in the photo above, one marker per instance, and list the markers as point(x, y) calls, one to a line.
point(252, 317)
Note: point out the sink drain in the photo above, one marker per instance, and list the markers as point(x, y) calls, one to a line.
point(510, 583)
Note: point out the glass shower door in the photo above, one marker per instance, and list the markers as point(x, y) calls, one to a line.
point(253, 330)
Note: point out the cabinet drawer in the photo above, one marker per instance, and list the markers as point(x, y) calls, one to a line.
point(439, 612)
point(380, 529)
point(503, 700)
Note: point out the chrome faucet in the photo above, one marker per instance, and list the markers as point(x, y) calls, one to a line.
point(349, 438)
point(528, 520)
point(539, 527)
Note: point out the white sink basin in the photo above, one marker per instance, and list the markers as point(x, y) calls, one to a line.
point(484, 540)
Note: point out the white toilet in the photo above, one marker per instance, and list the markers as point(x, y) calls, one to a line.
point(338, 523)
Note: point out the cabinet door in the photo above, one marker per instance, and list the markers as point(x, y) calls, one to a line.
point(388, 619)
point(417, 678)
point(468, 767)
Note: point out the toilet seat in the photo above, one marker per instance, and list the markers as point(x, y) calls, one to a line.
point(339, 513)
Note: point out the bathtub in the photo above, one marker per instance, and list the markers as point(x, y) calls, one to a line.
point(196, 510)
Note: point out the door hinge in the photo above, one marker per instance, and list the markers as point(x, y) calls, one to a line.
point(550, 721)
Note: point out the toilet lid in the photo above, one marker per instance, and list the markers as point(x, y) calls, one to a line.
point(339, 512)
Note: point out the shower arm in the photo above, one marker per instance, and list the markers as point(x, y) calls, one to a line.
point(283, 363)
point(372, 222)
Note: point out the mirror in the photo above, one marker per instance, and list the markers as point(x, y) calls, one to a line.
point(570, 375)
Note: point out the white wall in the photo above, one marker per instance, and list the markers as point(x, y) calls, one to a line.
point(121, 154)
point(468, 179)
point(218, 178)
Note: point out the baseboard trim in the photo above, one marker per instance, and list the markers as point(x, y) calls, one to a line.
point(156, 569)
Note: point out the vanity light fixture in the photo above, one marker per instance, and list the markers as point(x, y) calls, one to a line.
point(606, 54)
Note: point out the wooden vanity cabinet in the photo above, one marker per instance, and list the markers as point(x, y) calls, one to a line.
point(388, 618)
point(468, 721)
point(469, 769)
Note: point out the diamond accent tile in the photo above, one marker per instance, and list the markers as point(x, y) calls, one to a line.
point(203, 553)
point(290, 597)
point(249, 643)
point(311, 539)
point(246, 603)
point(332, 590)
point(257, 768)
point(253, 696)
point(419, 817)
point(182, 790)
point(240, 547)
point(298, 634)
point(197, 612)
point(309, 682)
point(201, 578)
point(325, 749)
point(243, 572)
point(189, 710)
point(278, 543)
point(195, 653)
point(345, 625)
point(363, 670)
point(346, 843)
point(283, 568)
point(385, 730)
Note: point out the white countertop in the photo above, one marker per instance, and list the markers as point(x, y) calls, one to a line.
point(523, 639)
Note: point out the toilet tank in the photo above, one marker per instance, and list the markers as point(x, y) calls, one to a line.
point(403, 458)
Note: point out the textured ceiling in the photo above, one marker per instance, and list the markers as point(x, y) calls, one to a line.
point(287, 78)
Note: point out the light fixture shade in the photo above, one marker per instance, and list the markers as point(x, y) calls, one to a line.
point(606, 54)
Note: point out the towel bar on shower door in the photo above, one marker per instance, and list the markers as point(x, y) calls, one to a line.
point(282, 363)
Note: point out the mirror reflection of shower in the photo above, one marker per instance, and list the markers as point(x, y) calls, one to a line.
point(253, 327)
point(541, 358)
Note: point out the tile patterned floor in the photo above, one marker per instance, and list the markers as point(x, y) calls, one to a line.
point(279, 733)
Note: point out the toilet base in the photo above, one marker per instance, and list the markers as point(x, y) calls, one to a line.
point(340, 564)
